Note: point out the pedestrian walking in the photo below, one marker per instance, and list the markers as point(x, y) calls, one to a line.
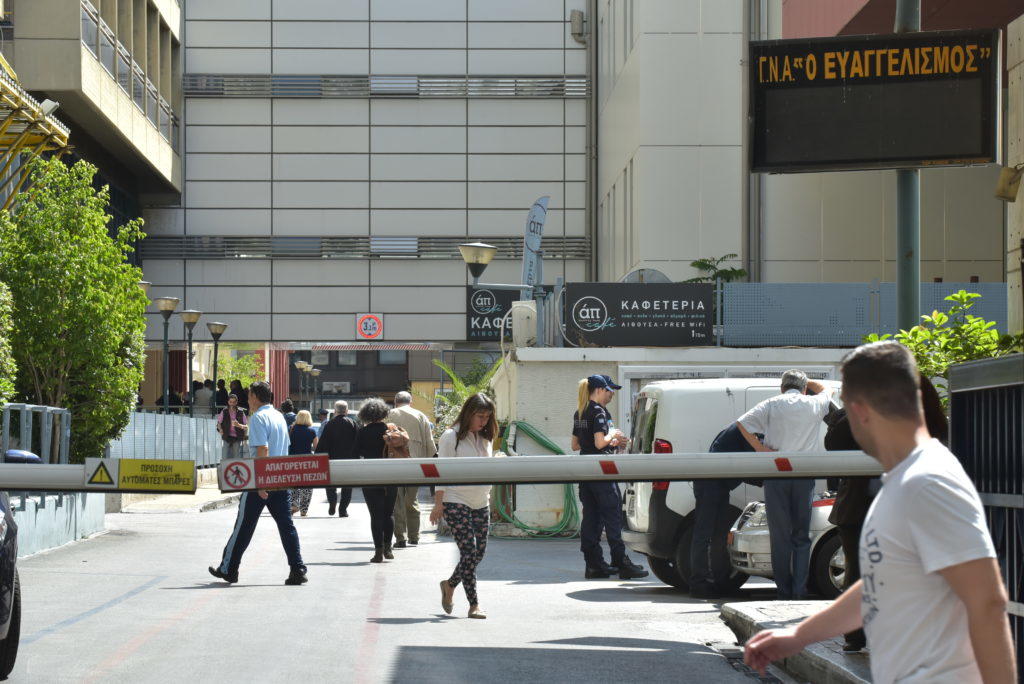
point(202, 405)
point(709, 558)
point(233, 428)
point(268, 434)
point(379, 500)
point(594, 433)
point(222, 394)
point(288, 411)
point(854, 494)
point(302, 436)
point(338, 440)
point(931, 598)
point(465, 508)
point(421, 445)
point(790, 421)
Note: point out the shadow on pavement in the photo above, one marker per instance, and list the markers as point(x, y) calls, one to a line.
point(220, 585)
point(342, 565)
point(616, 660)
point(627, 594)
point(411, 621)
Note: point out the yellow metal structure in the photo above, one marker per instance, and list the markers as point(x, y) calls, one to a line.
point(25, 133)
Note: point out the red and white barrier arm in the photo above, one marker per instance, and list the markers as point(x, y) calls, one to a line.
point(317, 471)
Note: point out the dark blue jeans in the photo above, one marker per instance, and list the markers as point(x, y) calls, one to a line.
point(710, 518)
point(250, 506)
point(788, 504)
point(602, 510)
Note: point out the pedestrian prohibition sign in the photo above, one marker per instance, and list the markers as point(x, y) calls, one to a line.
point(237, 474)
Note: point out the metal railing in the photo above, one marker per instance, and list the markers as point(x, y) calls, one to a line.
point(342, 247)
point(359, 86)
point(43, 430)
point(834, 314)
point(987, 435)
point(174, 436)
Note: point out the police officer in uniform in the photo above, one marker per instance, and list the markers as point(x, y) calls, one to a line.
point(593, 433)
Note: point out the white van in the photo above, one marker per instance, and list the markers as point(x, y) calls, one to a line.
point(680, 416)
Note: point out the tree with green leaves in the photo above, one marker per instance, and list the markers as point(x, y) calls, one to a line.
point(79, 313)
point(448, 404)
point(247, 369)
point(944, 339)
point(712, 269)
point(8, 369)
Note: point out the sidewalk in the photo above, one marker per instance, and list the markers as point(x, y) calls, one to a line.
point(822, 663)
point(207, 498)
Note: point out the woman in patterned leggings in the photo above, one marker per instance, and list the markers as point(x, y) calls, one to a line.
point(465, 507)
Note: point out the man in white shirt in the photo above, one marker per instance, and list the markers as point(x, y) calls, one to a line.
point(790, 421)
point(931, 598)
point(421, 445)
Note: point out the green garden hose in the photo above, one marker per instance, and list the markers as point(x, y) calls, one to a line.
point(568, 526)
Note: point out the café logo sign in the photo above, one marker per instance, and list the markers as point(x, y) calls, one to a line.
point(639, 314)
point(484, 303)
point(590, 314)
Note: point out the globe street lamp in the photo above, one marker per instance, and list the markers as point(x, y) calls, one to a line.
point(190, 317)
point(216, 330)
point(166, 306)
point(316, 394)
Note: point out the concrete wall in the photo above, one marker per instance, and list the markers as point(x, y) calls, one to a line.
point(1015, 157)
point(52, 520)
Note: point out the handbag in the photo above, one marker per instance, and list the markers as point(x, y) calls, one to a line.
point(396, 442)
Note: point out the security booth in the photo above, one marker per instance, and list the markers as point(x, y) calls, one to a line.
point(987, 434)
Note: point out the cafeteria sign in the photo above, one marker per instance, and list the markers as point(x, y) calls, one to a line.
point(640, 314)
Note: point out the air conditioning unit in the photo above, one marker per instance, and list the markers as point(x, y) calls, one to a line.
point(524, 323)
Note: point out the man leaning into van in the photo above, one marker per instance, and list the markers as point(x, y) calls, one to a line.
point(789, 422)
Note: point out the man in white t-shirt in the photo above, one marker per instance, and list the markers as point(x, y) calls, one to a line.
point(790, 421)
point(931, 598)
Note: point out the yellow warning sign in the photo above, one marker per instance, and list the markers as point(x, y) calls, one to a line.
point(101, 476)
point(157, 475)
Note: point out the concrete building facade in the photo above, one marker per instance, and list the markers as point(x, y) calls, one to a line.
point(336, 153)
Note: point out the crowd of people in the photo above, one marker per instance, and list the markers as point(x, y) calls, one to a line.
point(203, 399)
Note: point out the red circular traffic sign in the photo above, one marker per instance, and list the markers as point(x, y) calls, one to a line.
point(369, 326)
point(237, 475)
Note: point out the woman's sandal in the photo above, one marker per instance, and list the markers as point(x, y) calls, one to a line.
point(446, 599)
point(476, 613)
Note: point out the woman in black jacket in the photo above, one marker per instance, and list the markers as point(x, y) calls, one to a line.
point(379, 500)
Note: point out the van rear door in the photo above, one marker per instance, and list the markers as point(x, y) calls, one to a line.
point(637, 496)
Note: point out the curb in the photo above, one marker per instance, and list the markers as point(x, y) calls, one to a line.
point(822, 663)
point(225, 502)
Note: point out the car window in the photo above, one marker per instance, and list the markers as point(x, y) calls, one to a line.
point(644, 420)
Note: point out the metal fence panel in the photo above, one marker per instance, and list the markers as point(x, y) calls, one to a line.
point(169, 436)
point(834, 314)
point(987, 435)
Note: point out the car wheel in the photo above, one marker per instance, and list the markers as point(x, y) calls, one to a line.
point(720, 562)
point(9, 645)
point(665, 570)
point(829, 568)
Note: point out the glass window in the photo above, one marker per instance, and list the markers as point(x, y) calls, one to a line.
point(90, 28)
point(391, 358)
point(108, 55)
point(138, 87)
point(124, 70)
point(347, 358)
point(165, 119)
point(645, 416)
point(152, 108)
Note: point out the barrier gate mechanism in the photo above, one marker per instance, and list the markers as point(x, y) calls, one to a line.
point(316, 471)
point(142, 475)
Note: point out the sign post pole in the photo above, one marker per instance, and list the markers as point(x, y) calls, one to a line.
point(908, 208)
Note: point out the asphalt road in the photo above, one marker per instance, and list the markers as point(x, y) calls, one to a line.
point(137, 605)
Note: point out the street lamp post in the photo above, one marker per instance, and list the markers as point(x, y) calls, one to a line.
point(316, 393)
point(190, 317)
point(301, 367)
point(166, 306)
point(216, 330)
point(477, 255)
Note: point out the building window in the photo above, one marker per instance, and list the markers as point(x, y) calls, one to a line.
point(391, 358)
point(90, 28)
point(347, 358)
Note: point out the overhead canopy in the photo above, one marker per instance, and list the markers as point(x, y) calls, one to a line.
point(24, 128)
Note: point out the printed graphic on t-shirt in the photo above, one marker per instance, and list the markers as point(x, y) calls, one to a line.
point(871, 558)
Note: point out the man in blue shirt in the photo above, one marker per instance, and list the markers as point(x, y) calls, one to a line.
point(268, 438)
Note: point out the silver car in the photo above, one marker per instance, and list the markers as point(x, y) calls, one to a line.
point(750, 548)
